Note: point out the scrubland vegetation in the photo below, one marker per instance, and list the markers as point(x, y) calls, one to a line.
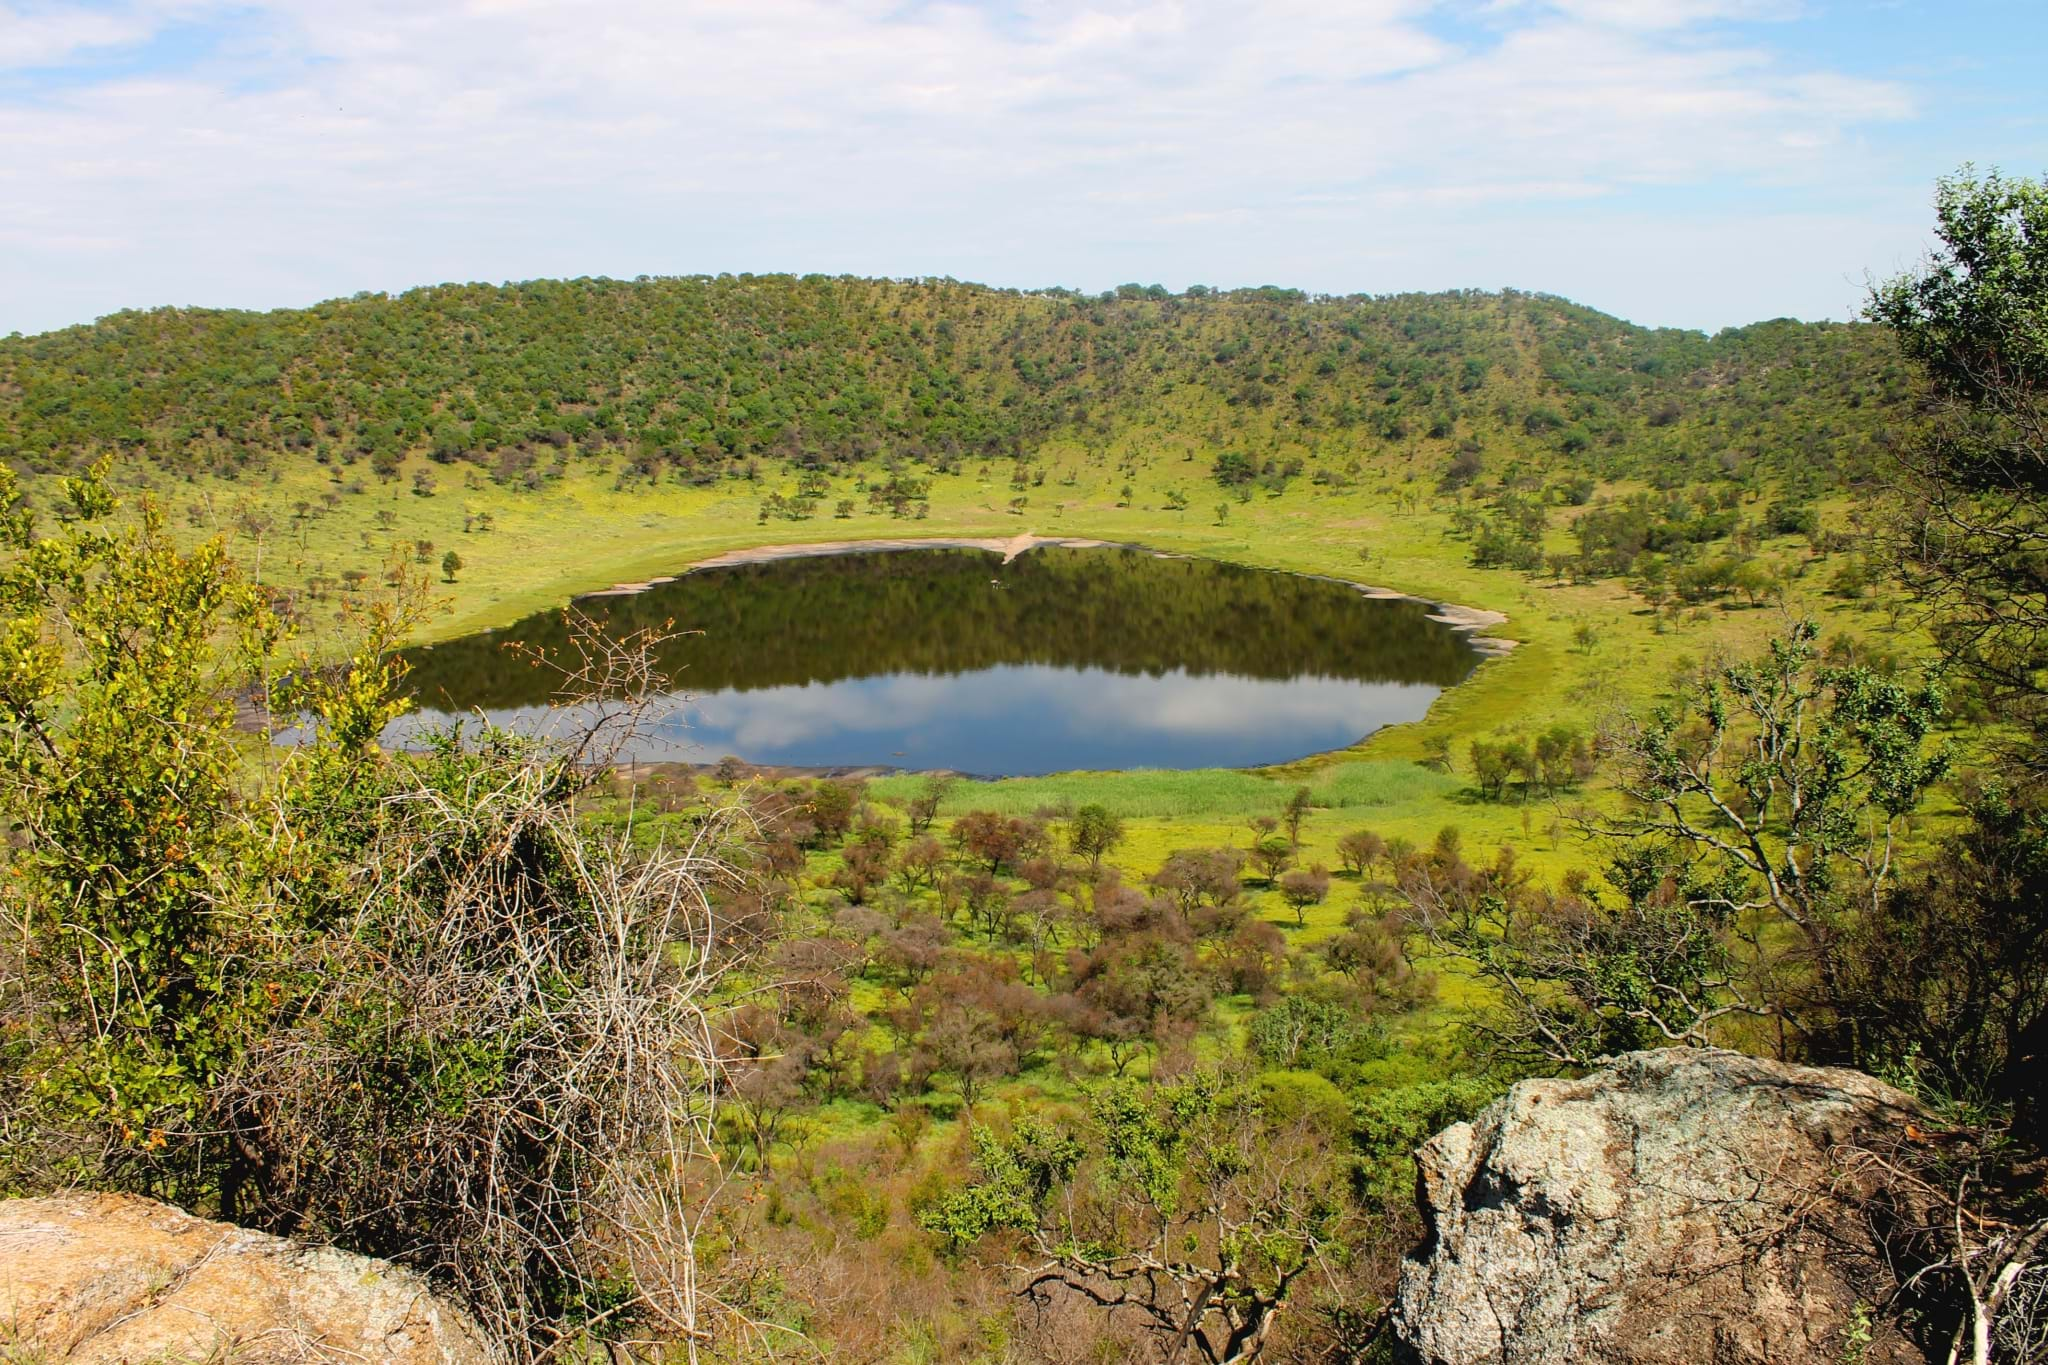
point(1114, 1066)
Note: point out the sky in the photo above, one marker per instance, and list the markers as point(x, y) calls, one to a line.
point(1694, 163)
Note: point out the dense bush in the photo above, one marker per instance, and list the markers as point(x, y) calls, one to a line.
point(400, 1001)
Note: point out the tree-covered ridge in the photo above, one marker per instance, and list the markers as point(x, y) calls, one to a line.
point(692, 377)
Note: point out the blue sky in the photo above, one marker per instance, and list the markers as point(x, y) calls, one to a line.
point(1696, 163)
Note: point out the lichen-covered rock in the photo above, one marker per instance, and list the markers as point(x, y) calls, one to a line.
point(117, 1280)
point(1672, 1208)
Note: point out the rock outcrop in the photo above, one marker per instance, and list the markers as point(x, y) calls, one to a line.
point(117, 1280)
point(1683, 1207)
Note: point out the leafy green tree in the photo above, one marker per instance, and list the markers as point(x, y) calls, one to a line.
point(1392, 1121)
point(1013, 1180)
point(1950, 972)
point(1950, 966)
point(1972, 533)
point(1272, 855)
point(1296, 1032)
point(1492, 766)
point(1565, 756)
point(119, 777)
point(1095, 833)
point(1758, 847)
point(1581, 976)
point(1233, 468)
point(451, 564)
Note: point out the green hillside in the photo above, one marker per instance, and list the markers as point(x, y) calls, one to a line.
point(693, 379)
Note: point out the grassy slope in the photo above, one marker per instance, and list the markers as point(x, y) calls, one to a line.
point(579, 533)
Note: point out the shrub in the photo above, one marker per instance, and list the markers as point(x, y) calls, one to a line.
point(402, 1001)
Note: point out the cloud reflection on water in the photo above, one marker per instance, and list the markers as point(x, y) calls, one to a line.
point(1015, 719)
point(1108, 657)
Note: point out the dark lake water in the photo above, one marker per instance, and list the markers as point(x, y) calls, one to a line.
point(1063, 658)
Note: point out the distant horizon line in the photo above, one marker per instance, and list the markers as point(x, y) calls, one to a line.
point(1117, 293)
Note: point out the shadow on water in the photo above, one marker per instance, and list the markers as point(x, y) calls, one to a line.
point(948, 658)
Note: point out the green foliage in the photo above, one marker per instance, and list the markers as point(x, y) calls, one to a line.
point(944, 972)
point(698, 379)
point(1761, 829)
point(1950, 973)
point(1199, 1201)
point(1304, 1097)
point(1949, 970)
point(1094, 832)
point(119, 776)
point(1233, 469)
point(1559, 758)
point(1614, 535)
point(1178, 1150)
point(1013, 1179)
point(1819, 746)
point(1971, 533)
point(1390, 1122)
point(396, 1000)
point(1299, 1032)
point(1975, 317)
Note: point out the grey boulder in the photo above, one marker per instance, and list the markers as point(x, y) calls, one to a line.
point(1670, 1208)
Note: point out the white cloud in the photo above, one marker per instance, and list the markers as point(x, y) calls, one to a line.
point(48, 37)
point(388, 142)
point(1672, 14)
point(952, 721)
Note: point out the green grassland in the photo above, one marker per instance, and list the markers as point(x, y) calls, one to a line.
point(578, 533)
point(1582, 649)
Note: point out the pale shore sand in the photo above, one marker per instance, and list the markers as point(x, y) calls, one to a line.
point(1009, 548)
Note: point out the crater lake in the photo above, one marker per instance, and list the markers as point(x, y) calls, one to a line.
point(950, 659)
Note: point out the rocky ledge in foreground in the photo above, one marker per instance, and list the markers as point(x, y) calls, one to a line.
point(1676, 1207)
point(108, 1279)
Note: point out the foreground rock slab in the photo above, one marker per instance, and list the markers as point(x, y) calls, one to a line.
point(108, 1279)
point(1672, 1208)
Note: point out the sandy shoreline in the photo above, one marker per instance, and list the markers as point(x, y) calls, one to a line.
point(1468, 621)
point(1008, 548)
